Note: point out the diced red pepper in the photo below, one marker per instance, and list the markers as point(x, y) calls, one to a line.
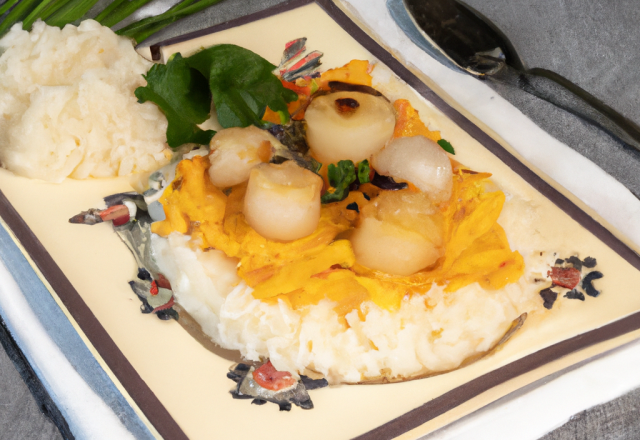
point(163, 282)
point(121, 220)
point(568, 277)
point(300, 90)
point(114, 211)
point(270, 378)
point(119, 214)
point(154, 288)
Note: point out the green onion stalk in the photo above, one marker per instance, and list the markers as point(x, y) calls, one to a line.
point(62, 12)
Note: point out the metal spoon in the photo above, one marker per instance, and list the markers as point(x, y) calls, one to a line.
point(462, 39)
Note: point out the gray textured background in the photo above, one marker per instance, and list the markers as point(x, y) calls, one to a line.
point(594, 43)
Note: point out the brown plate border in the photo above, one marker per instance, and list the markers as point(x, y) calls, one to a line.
point(153, 408)
point(137, 388)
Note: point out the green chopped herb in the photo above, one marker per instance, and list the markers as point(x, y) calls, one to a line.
point(363, 171)
point(183, 95)
point(340, 177)
point(446, 146)
point(242, 85)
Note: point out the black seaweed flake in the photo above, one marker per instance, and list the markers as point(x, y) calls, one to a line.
point(167, 314)
point(337, 86)
point(286, 406)
point(145, 307)
point(366, 196)
point(589, 262)
point(549, 297)
point(143, 274)
point(575, 261)
point(587, 283)
point(293, 136)
point(574, 294)
point(313, 384)
point(247, 388)
point(559, 261)
point(353, 207)
point(141, 289)
point(386, 182)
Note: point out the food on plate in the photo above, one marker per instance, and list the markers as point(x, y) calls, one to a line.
point(234, 152)
point(282, 201)
point(399, 233)
point(67, 104)
point(348, 126)
point(389, 262)
point(418, 160)
point(266, 384)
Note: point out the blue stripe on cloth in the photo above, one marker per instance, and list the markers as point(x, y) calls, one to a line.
point(64, 335)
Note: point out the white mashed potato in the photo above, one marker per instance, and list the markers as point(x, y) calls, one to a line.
point(68, 108)
point(431, 333)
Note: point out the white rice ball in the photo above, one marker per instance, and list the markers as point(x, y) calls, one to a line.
point(67, 105)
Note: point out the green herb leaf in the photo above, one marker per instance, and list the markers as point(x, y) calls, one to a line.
point(340, 177)
point(183, 95)
point(115, 4)
point(35, 14)
point(363, 171)
point(7, 5)
point(446, 146)
point(242, 85)
point(70, 12)
point(52, 9)
point(18, 13)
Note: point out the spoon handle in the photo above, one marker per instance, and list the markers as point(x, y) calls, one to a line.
point(543, 84)
point(560, 92)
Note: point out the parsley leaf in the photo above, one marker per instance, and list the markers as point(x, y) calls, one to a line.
point(446, 146)
point(242, 85)
point(363, 171)
point(340, 177)
point(183, 95)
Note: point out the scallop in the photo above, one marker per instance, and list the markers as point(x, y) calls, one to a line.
point(283, 201)
point(400, 233)
point(235, 151)
point(420, 161)
point(348, 126)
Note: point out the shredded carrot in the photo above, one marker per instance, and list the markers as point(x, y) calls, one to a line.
point(408, 122)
